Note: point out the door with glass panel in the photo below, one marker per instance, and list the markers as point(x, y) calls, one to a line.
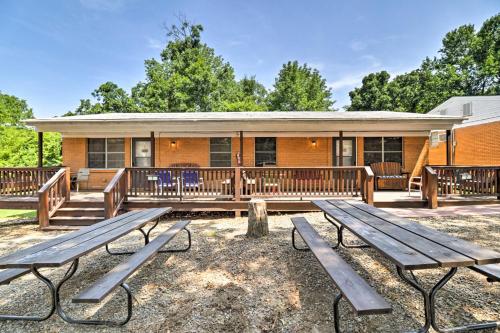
point(348, 151)
point(141, 157)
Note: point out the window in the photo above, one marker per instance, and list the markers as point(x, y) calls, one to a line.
point(106, 153)
point(220, 152)
point(265, 151)
point(386, 149)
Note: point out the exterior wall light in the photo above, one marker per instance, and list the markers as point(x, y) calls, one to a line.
point(173, 144)
point(314, 143)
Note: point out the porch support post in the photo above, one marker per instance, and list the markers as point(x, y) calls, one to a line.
point(341, 148)
point(40, 149)
point(241, 149)
point(153, 150)
point(448, 147)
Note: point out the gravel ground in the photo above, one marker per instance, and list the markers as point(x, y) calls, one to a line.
point(229, 283)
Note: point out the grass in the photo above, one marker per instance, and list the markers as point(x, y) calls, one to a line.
point(17, 214)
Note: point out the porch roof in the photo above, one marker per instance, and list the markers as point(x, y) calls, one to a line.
point(213, 123)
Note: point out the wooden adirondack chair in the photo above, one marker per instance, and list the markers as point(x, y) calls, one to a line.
point(388, 175)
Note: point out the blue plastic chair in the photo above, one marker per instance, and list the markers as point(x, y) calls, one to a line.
point(166, 179)
point(190, 178)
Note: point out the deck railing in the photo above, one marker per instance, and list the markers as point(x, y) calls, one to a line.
point(463, 181)
point(188, 182)
point(53, 194)
point(244, 182)
point(115, 193)
point(301, 182)
point(24, 182)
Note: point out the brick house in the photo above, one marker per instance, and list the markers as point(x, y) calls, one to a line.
point(476, 141)
point(105, 142)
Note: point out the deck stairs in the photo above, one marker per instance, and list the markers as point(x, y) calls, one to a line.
point(77, 214)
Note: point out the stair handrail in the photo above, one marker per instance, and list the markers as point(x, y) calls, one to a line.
point(52, 195)
point(430, 187)
point(368, 185)
point(115, 193)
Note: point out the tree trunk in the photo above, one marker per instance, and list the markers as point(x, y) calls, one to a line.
point(257, 219)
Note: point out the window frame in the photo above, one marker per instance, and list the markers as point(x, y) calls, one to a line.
point(255, 149)
point(106, 152)
point(383, 151)
point(229, 153)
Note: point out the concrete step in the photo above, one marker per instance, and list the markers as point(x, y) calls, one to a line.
point(80, 211)
point(75, 221)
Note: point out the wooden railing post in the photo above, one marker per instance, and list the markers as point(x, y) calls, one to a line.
point(43, 209)
point(67, 186)
point(237, 188)
point(115, 193)
point(498, 184)
point(369, 181)
point(431, 188)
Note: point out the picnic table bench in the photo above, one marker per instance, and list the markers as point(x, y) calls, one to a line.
point(363, 298)
point(412, 246)
point(72, 246)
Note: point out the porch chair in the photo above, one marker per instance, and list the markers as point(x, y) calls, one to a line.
point(82, 175)
point(165, 180)
point(190, 178)
point(388, 175)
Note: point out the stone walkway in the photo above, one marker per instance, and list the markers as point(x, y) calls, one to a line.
point(467, 210)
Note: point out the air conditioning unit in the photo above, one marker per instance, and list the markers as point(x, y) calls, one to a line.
point(467, 109)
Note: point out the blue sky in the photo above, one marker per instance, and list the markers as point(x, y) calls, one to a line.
point(53, 53)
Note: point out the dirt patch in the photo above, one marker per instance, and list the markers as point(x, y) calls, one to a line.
point(229, 283)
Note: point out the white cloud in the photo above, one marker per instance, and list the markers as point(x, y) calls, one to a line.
point(348, 81)
point(104, 5)
point(357, 45)
point(155, 43)
point(372, 60)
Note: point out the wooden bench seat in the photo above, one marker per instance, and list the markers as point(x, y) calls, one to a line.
point(363, 299)
point(7, 275)
point(491, 271)
point(114, 278)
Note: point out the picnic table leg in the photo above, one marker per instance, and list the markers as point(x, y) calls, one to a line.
point(64, 316)
point(179, 250)
point(146, 241)
point(305, 248)
point(463, 328)
point(340, 236)
point(430, 305)
point(52, 309)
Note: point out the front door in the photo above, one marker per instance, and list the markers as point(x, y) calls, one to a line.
point(141, 157)
point(349, 151)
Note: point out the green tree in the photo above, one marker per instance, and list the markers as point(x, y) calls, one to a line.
point(468, 63)
point(19, 144)
point(13, 110)
point(300, 88)
point(373, 93)
point(109, 98)
point(251, 96)
point(189, 76)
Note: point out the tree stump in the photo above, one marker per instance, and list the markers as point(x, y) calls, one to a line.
point(257, 219)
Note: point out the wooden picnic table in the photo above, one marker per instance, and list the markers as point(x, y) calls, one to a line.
point(410, 246)
point(70, 248)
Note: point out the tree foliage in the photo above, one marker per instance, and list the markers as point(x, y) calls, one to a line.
point(300, 88)
point(13, 110)
point(468, 64)
point(19, 144)
point(190, 77)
